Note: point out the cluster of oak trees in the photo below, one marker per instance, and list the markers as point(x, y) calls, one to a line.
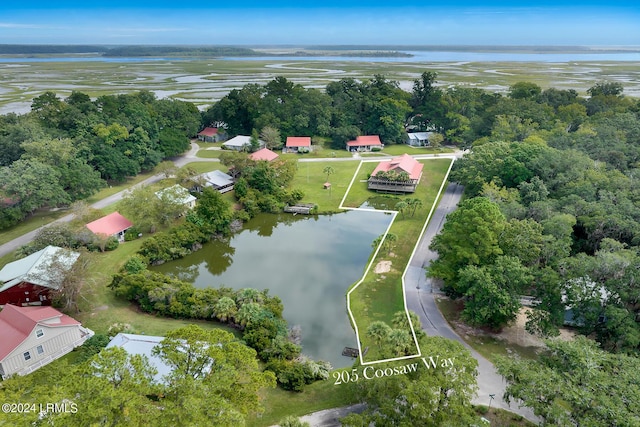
point(66, 149)
point(551, 212)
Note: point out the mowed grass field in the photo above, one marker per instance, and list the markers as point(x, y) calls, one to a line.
point(379, 296)
point(310, 178)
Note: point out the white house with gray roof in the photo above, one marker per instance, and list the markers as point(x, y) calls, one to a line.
point(142, 345)
point(241, 143)
point(419, 139)
point(217, 180)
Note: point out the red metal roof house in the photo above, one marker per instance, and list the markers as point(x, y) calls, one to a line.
point(35, 336)
point(400, 174)
point(209, 134)
point(297, 144)
point(364, 143)
point(263, 154)
point(113, 224)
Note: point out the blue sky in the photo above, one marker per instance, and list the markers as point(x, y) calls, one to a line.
point(334, 22)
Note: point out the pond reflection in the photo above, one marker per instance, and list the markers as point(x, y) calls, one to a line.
point(308, 261)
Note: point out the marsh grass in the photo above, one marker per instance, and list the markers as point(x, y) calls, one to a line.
point(204, 81)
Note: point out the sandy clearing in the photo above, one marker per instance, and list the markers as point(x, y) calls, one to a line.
point(382, 267)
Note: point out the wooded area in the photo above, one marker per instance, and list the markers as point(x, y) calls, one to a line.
point(551, 181)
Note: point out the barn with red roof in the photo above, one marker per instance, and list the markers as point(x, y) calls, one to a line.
point(35, 336)
point(30, 280)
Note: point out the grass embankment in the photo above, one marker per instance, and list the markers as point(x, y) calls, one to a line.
point(379, 296)
point(318, 396)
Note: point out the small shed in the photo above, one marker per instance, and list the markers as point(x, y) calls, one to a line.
point(418, 139)
point(241, 143)
point(113, 224)
point(327, 185)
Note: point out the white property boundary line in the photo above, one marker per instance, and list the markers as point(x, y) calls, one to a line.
point(375, 254)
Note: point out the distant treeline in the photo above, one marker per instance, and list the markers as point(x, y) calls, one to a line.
point(33, 49)
point(195, 51)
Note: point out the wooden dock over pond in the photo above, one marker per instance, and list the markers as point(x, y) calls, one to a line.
point(353, 352)
point(300, 208)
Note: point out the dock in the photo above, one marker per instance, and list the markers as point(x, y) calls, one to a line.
point(300, 208)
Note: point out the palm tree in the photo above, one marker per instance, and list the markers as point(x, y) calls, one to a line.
point(378, 331)
point(225, 309)
point(248, 295)
point(400, 341)
point(414, 204)
point(390, 241)
point(401, 206)
point(329, 171)
point(249, 313)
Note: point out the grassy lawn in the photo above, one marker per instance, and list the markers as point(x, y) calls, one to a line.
point(310, 178)
point(315, 397)
point(202, 167)
point(106, 309)
point(37, 220)
point(397, 149)
point(485, 344)
point(318, 152)
point(379, 296)
point(209, 154)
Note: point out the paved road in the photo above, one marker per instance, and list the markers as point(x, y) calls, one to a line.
point(16, 243)
point(420, 293)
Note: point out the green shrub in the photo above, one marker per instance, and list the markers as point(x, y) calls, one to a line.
point(291, 375)
point(131, 234)
point(111, 244)
point(92, 346)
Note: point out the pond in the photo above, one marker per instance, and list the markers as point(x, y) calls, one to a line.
point(308, 261)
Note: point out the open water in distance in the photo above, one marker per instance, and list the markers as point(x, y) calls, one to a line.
point(418, 56)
